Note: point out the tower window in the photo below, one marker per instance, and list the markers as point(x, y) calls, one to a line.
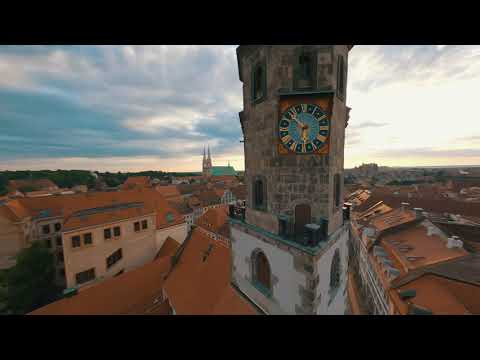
point(305, 72)
point(340, 77)
point(337, 189)
point(259, 82)
point(259, 194)
point(335, 271)
point(261, 272)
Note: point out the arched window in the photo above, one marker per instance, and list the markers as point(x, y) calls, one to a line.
point(262, 278)
point(335, 271)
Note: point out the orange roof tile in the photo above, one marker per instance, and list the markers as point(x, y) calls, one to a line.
point(199, 282)
point(133, 292)
point(215, 220)
point(420, 249)
point(392, 219)
point(168, 191)
point(136, 181)
point(35, 183)
point(169, 247)
point(443, 296)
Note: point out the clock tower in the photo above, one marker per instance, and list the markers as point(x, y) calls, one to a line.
point(289, 243)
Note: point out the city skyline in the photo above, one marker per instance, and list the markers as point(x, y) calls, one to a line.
point(133, 108)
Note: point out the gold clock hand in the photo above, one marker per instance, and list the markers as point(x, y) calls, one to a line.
point(302, 125)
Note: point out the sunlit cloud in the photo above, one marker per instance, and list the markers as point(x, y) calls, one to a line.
point(140, 107)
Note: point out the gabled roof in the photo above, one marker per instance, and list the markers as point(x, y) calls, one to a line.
point(223, 171)
point(136, 181)
point(215, 220)
point(133, 292)
point(199, 282)
point(208, 197)
point(39, 184)
point(169, 247)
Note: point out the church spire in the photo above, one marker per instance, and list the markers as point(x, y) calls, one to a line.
point(209, 152)
point(204, 153)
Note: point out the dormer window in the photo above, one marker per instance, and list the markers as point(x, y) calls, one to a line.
point(259, 82)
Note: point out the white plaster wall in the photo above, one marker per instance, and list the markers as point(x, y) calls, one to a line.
point(338, 305)
point(178, 232)
point(286, 290)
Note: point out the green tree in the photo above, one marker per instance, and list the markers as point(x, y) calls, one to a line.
point(31, 282)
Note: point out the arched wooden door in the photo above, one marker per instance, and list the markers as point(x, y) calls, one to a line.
point(303, 217)
point(263, 270)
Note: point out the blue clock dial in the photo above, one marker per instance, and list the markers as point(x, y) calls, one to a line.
point(304, 128)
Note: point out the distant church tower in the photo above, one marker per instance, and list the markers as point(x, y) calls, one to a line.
point(290, 249)
point(207, 163)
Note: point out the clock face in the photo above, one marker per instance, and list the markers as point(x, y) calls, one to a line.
point(304, 128)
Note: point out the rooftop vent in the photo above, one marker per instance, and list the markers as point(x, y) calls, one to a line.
point(70, 292)
point(418, 310)
point(418, 212)
point(454, 243)
point(407, 294)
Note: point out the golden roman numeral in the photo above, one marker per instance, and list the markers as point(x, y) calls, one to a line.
point(321, 137)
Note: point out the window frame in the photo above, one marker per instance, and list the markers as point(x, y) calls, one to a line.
point(341, 77)
point(73, 238)
point(119, 231)
point(262, 64)
point(84, 240)
point(337, 189)
point(88, 279)
point(105, 232)
point(46, 226)
point(135, 226)
point(256, 205)
point(312, 54)
point(114, 258)
point(59, 227)
point(144, 224)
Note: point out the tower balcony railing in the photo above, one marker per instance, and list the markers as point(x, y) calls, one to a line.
point(310, 238)
point(236, 212)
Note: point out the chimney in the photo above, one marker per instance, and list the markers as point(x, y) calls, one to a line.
point(454, 242)
point(418, 212)
point(405, 206)
point(430, 230)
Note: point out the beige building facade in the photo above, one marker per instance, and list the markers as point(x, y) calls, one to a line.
point(98, 252)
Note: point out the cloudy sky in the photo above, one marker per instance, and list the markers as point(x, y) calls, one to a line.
point(136, 108)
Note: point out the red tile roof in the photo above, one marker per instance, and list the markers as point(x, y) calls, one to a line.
point(199, 283)
point(39, 184)
point(133, 292)
point(169, 247)
point(215, 220)
point(136, 182)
